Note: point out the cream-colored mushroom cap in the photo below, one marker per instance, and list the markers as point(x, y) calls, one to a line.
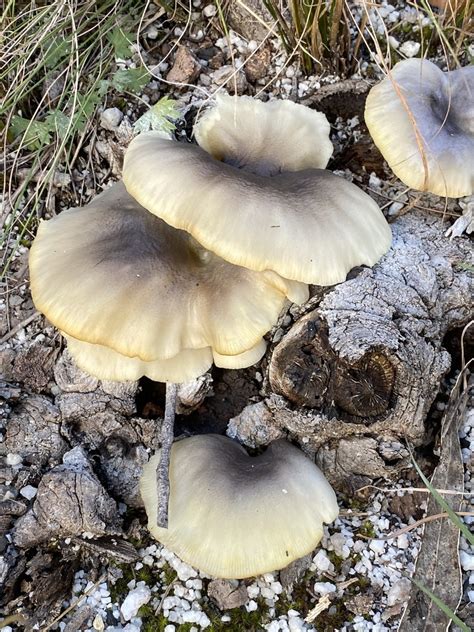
point(422, 120)
point(265, 138)
point(310, 226)
point(235, 516)
point(113, 274)
point(107, 364)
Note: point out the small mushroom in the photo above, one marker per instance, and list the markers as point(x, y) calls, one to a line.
point(236, 516)
point(309, 226)
point(422, 120)
point(265, 138)
point(113, 275)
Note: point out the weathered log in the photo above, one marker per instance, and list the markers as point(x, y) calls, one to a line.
point(355, 378)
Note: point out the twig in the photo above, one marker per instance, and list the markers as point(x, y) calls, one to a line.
point(162, 471)
point(416, 524)
point(17, 328)
point(75, 603)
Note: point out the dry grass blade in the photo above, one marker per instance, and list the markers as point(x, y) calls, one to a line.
point(54, 64)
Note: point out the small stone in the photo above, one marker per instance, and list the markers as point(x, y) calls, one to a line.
point(322, 562)
point(234, 80)
point(98, 623)
point(377, 546)
point(28, 492)
point(399, 592)
point(210, 10)
point(185, 69)
point(410, 48)
point(467, 561)
point(152, 32)
point(111, 118)
point(13, 459)
point(324, 588)
point(227, 594)
point(135, 599)
point(257, 64)
point(394, 43)
point(395, 208)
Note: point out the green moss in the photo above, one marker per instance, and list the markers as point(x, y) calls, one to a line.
point(169, 574)
point(146, 574)
point(152, 622)
point(367, 529)
point(240, 619)
point(334, 617)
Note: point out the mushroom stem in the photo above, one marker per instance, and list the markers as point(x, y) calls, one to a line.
point(166, 440)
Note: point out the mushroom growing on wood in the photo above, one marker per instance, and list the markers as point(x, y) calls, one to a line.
point(309, 226)
point(422, 120)
point(236, 516)
point(136, 297)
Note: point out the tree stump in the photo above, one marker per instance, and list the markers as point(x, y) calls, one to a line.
point(355, 378)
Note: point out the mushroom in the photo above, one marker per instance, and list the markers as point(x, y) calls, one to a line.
point(135, 296)
point(422, 120)
point(107, 364)
point(311, 225)
point(265, 138)
point(236, 516)
point(113, 274)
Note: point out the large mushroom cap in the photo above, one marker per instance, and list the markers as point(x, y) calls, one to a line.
point(235, 516)
point(311, 225)
point(107, 364)
point(113, 274)
point(267, 137)
point(422, 120)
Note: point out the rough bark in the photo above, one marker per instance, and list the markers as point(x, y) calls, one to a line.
point(70, 501)
point(355, 378)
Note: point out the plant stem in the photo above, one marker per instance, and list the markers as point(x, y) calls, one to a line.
point(166, 440)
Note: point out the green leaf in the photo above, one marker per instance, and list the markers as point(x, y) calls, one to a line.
point(130, 79)
point(59, 123)
point(121, 41)
point(85, 108)
point(462, 526)
point(36, 134)
point(160, 117)
point(56, 49)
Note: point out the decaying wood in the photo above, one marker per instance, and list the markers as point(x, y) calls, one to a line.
point(69, 502)
point(356, 377)
point(437, 565)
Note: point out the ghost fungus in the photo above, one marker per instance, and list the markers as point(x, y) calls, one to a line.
point(265, 138)
point(422, 120)
point(235, 516)
point(309, 226)
point(137, 297)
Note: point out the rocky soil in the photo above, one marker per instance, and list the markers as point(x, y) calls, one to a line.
point(75, 551)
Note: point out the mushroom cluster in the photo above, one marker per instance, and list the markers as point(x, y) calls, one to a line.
point(191, 259)
point(422, 120)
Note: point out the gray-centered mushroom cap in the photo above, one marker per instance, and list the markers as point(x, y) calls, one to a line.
point(265, 138)
point(310, 226)
point(422, 120)
point(113, 274)
point(235, 516)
